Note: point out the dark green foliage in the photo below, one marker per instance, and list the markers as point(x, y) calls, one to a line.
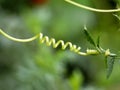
point(13, 5)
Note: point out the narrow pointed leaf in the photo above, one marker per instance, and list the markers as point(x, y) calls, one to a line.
point(98, 41)
point(110, 63)
point(89, 38)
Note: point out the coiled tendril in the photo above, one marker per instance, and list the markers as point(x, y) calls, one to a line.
point(52, 42)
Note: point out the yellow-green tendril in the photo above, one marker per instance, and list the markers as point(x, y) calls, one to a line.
point(91, 9)
point(16, 39)
point(52, 42)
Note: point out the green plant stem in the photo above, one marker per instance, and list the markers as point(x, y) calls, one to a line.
point(91, 9)
point(16, 39)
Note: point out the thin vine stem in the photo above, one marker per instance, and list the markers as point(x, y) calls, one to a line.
point(16, 39)
point(90, 8)
point(52, 42)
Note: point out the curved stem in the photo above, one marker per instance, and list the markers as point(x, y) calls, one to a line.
point(92, 9)
point(18, 40)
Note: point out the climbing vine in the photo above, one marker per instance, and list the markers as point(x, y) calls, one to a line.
point(74, 48)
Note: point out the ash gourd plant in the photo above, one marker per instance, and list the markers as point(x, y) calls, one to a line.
point(109, 57)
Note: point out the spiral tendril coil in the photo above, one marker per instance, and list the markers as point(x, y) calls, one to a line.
point(52, 42)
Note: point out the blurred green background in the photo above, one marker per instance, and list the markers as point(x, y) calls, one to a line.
point(34, 66)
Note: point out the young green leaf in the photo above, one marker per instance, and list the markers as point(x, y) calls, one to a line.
point(89, 38)
point(110, 63)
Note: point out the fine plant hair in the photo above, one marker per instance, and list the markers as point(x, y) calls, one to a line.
point(109, 57)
